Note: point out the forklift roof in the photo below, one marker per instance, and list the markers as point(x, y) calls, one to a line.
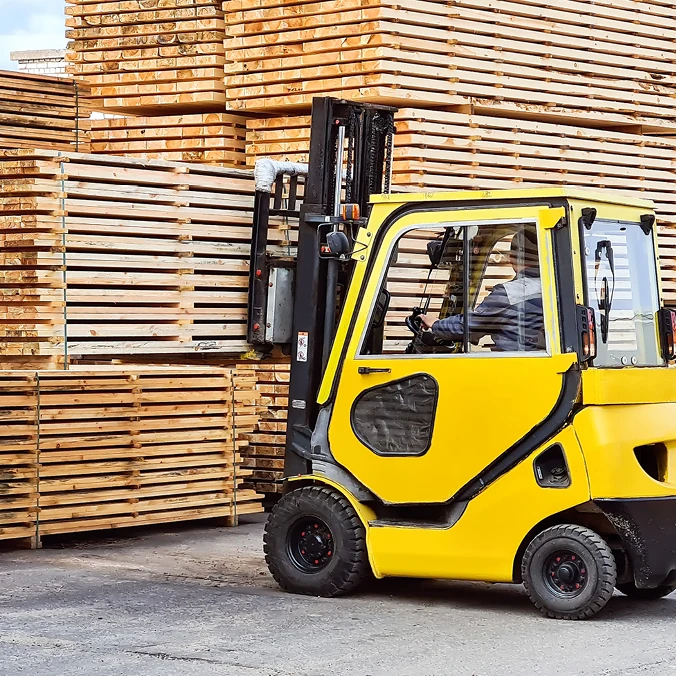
point(518, 195)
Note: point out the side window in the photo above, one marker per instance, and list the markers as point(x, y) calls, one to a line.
point(493, 270)
point(397, 418)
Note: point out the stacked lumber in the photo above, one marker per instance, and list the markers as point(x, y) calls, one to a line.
point(264, 456)
point(602, 64)
point(18, 455)
point(206, 138)
point(37, 111)
point(122, 447)
point(104, 256)
point(437, 150)
point(149, 57)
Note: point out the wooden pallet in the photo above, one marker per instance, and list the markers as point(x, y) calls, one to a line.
point(107, 256)
point(602, 65)
point(37, 111)
point(128, 446)
point(208, 138)
point(149, 60)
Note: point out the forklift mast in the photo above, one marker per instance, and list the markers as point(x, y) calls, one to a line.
point(295, 305)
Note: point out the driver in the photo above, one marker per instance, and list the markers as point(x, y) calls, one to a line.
point(512, 313)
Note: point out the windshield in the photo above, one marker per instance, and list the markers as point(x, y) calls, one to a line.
point(622, 290)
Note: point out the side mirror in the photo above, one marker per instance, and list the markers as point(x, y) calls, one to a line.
point(337, 245)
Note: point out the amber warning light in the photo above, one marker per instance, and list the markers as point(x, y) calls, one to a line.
point(587, 331)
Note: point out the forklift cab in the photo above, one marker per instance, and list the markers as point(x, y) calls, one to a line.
point(420, 421)
point(528, 437)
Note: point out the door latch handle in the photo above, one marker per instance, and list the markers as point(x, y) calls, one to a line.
point(367, 370)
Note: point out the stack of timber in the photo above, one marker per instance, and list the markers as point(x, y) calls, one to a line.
point(104, 256)
point(264, 457)
point(43, 112)
point(603, 64)
point(438, 150)
point(205, 138)
point(18, 456)
point(120, 447)
point(146, 57)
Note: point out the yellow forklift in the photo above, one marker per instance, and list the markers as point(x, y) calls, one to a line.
point(480, 387)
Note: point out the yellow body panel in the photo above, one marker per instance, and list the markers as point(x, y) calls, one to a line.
point(484, 542)
point(524, 388)
point(608, 436)
point(629, 386)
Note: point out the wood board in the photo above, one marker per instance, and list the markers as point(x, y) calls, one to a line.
point(437, 150)
point(264, 456)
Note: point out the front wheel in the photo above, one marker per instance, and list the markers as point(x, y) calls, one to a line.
point(633, 592)
point(569, 572)
point(315, 543)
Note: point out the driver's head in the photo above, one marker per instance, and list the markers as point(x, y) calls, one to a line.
point(523, 252)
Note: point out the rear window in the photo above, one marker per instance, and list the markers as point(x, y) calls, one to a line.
point(623, 292)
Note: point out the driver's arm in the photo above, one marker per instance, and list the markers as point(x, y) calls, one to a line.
point(487, 318)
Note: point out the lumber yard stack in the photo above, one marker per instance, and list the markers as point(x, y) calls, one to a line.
point(144, 58)
point(113, 257)
point(38, 111)
point(600, 64)
point(205, 138)
point(86, 450)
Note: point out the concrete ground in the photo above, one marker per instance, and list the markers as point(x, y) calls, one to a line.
point(197, 600)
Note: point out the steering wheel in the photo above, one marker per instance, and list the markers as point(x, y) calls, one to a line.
point(425, 342)
point(413, 321)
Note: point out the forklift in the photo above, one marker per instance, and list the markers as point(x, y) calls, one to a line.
point(527, 435)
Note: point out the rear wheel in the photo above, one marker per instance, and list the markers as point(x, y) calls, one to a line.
point(633, 592)
point(569, 572)
point(315, 543)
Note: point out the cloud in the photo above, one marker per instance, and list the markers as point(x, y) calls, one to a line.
point(30, 24)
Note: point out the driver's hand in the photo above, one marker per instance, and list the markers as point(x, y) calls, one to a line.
point(426, 321)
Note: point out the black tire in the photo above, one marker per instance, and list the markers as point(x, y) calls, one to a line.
point(329, 557)
point(569, 572)
point(633, 592)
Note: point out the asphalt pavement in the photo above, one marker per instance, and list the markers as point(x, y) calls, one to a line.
point(196, 600)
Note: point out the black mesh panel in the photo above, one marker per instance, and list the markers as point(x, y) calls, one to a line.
point(397, 418)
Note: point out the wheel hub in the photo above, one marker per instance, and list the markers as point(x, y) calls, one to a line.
point(310, 544)
point(566, 574)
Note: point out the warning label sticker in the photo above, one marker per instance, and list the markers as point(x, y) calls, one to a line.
point(303, 343)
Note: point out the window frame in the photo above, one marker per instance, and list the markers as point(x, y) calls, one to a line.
point(440, 227)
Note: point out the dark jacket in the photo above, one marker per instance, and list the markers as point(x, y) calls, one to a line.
point(511, 315)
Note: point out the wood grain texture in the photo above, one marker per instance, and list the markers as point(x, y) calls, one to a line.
point(149, 58)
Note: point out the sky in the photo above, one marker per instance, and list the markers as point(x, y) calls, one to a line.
point(30, 24)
